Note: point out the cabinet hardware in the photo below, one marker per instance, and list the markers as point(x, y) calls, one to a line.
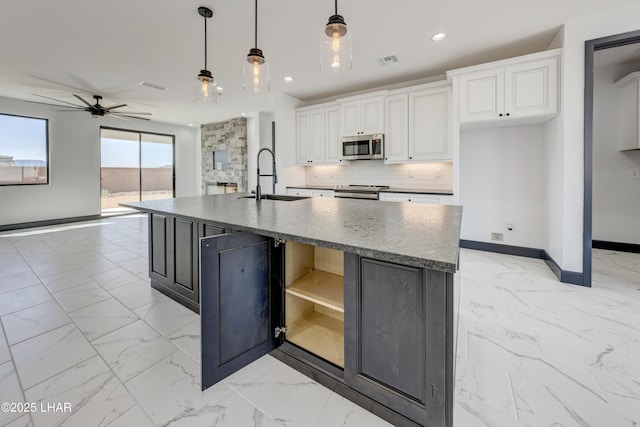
point(508, 114)
point(280, 330)
point(500, 114)
point(276, 242)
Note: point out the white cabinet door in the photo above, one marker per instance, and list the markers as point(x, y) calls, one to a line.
point(409, 198)
point(362, 116)
point(350, 115)
point(303, 131)
point(316, 139)
point(332, 135)
point(482, 95)
point(396, 138)
point(429, 133)
point(372, 115)
point(531, 88)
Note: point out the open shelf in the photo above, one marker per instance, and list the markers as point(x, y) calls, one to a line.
point(321, 335)
point(321, 288)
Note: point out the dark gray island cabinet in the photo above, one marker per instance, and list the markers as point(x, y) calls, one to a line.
point(370, 316)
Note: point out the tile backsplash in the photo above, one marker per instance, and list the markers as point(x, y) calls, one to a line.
point(434, 176)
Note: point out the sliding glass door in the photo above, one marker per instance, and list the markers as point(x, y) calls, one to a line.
point(135, 166)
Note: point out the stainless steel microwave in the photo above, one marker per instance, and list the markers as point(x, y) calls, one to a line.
point(363, 147)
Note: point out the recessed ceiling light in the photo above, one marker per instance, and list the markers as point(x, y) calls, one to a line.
point(438, 36)
point(190, 124)
point(288, 79)
point(243, 114)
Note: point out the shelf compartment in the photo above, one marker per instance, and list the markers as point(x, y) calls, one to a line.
point(320, 287)
point(321, 335)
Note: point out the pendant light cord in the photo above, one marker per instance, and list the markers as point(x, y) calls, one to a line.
point(255, 32)
point(205, 42)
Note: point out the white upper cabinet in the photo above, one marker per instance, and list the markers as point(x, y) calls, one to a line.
point(519, 88)
point(362, 115)
point(629, 111)
point(396, 144)
point(417, 124)
point(318, 135)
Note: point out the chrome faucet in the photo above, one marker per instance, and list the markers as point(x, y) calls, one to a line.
point(273, 174)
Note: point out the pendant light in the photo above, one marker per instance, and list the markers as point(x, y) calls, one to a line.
point(255, 71)
point(336, 45)
point(206, 90)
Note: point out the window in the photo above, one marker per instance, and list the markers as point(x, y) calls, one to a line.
point(24, 150)
point(134, 166)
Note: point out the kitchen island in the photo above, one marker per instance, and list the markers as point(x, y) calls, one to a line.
point(358, 295)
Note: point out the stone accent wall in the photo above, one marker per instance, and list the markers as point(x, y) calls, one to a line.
point(231, 136)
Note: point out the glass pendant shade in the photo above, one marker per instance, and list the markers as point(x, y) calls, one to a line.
point(255, 72)
point(336, 47)
point(206, 88)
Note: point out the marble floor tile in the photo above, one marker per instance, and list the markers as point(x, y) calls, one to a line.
point(121, 256)
point(10, 391)
point(18, 281)
point(96, 266)
point(188, 339)
point(94, 394)
point(33, 321)
point(5, 355)
point(81, 296)
point(99, 319)
point(166, 316)
point(136, 294)
point(170, 393)
point(51, 265)
point(113, 279)
point(46, 355)
point(12, 264)
point(339, 411)
point(282, 393)
point(134, 417)
point(137, 265)
point(23, 421)
point(65, 280)
point(20, 299)
point(133, 349)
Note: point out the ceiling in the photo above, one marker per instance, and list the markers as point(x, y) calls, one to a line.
point(86, 47)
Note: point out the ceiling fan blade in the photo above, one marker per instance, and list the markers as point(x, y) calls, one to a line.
point(116, 116)
point(83, 100)
point(53, 99)
point(126, 115)
point(77, 109)
point(114, 106)
point(132, 112)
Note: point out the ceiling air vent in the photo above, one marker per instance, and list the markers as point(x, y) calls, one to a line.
point(392, 59)
point(154, 86)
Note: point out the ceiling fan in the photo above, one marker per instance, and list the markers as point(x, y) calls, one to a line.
point(96, 110)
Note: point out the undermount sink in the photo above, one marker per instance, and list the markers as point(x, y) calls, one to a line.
point(281, 197)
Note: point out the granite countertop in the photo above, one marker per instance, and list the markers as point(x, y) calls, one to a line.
point(422, 235)
point(389, 190)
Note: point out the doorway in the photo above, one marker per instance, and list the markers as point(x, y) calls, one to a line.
point(135, 166)
point(591, 48)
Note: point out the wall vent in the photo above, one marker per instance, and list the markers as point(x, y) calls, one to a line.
point(497, 236)
point(392, 59)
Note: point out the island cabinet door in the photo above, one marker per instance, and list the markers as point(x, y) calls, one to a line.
point(159, 248)
point(241, 302)
point(395, 337)
point(184, 245)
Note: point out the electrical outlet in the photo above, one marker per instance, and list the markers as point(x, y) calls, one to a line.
point(497, 236)
point(634, 173)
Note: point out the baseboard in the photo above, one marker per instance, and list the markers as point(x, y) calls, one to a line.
point(502, 249)
point(22, 225)
point(565, 276)
point(616, 246)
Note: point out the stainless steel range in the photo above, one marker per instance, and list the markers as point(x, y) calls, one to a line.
point(359, 191)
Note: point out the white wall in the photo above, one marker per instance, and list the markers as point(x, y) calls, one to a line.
point(616, 196)
point(502, 182)
point(74, 165)
point(570, 189)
